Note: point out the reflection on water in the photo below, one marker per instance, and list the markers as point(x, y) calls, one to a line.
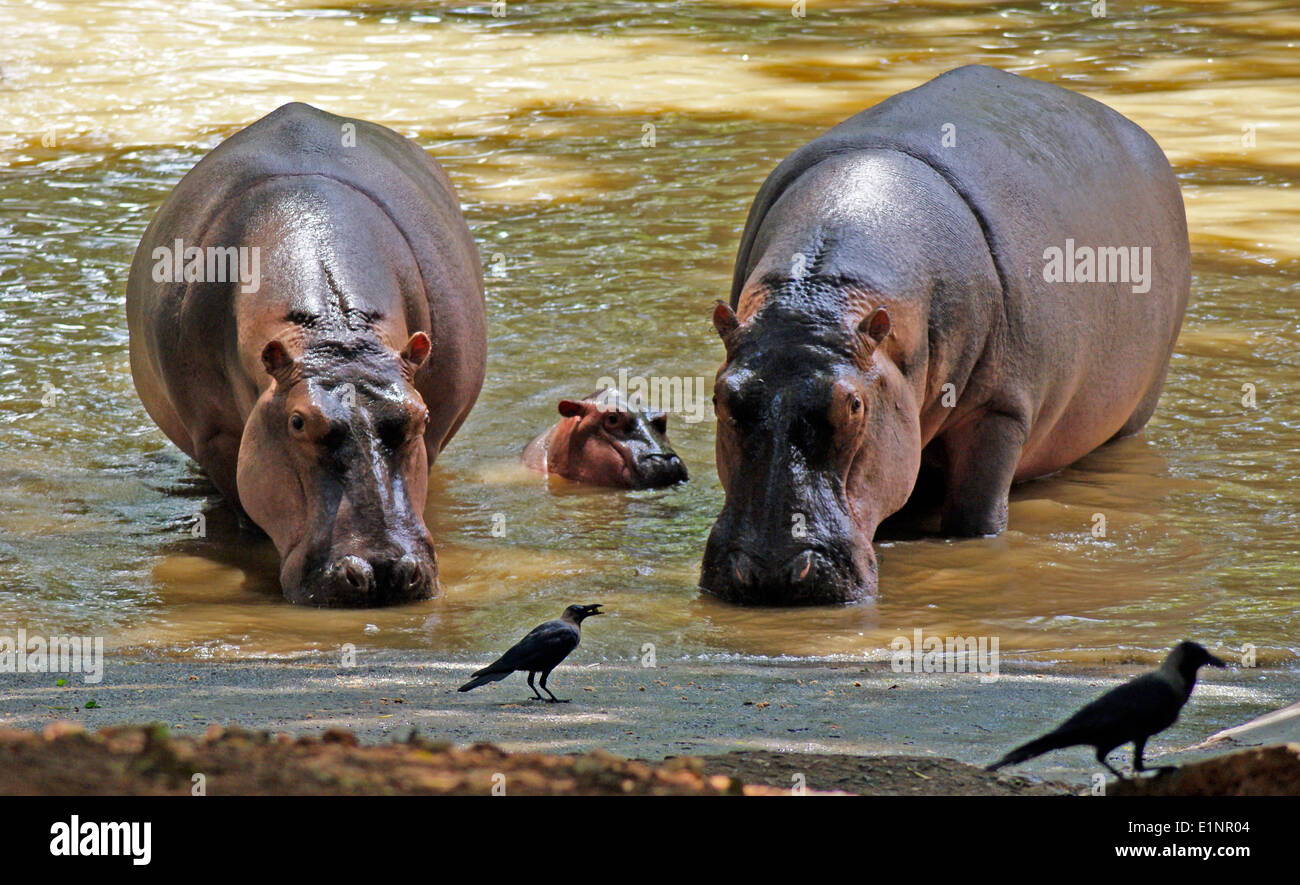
point(606, 252)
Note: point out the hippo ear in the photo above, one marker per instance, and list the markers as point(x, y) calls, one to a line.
point(724, 319)
point(276, 359)
point(417, 350)
point(573, 408)
point(726, 322)
point(876, 326)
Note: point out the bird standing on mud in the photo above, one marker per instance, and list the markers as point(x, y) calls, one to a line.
point(1133, 712)
point(539, 652)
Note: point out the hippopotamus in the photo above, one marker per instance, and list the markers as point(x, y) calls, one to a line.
point(607, 440)
point(307, 322)
point(984, 276)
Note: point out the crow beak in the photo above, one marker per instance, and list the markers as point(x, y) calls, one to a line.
point(1217, 662)
point(594, 609)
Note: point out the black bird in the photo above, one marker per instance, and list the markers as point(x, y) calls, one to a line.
point(539, 652)
point(1133, 711)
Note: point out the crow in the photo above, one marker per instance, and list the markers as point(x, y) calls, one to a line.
point(539, 652)
point(1133, 712)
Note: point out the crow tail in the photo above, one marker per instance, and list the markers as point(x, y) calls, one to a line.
point(1044, 744)
point(483, 678)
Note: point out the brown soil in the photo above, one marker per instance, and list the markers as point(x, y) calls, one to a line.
point(64, 759)
point(1260, 771)
point(146, 760)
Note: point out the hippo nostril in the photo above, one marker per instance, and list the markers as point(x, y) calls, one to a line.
point(410, 577)
point(357, 572)
point(743, 567)
point(801, 567)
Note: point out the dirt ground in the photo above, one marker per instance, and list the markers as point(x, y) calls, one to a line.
point(1261, 771)
point(147, 760)
point(837, 710)
point(310, 726)
point(64, 759)
point(873, 775)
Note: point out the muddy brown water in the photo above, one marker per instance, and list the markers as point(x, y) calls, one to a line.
point(606, 154)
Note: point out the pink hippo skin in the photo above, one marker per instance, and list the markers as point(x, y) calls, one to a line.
point(605, 440)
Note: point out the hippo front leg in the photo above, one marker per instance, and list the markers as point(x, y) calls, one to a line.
point(217, 452)
point(982, 456)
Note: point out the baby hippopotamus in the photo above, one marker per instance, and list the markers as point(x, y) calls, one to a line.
point(607, 440)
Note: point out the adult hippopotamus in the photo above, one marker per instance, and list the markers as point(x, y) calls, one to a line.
point(986, 274)
point(307, 322)
point(607, 440)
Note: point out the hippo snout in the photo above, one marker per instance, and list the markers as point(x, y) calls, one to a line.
point(359, 581)
point(808, 576)
point(658, 469)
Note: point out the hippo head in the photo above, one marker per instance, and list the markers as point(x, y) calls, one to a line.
point(608, 440)
point(818, 440)
point(332, 465)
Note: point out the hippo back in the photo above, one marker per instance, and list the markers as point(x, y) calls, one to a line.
point(298, 139)
point(1014, 138)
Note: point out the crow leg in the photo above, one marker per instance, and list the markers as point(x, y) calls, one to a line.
point(554, 699)
point(1101, 757)
point(1138, 747)
point(538, 694)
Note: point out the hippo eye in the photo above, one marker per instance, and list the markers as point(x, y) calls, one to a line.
point(297, 422)
point(856, 405)
point(392, 431)
point(612, 420)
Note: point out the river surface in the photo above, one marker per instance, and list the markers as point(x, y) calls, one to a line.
point(605, 154)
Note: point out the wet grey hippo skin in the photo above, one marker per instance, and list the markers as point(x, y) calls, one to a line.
point(607, 440)
point(317, 391)
point(900, 297)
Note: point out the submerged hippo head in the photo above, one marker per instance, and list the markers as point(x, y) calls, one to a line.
point(817, 442)
point(332, 465)
point(608, 440)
